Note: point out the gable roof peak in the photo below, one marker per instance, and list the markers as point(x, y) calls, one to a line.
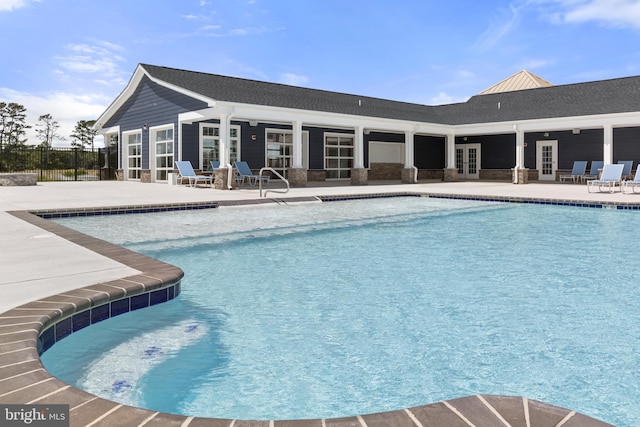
point(521, 80)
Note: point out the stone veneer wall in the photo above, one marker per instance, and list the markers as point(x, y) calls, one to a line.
point(496, 174)
point(431, 174)
point(316, 175)
point(18, 179)
point(385, 171)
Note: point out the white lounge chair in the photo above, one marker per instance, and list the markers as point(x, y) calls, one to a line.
point(633, 183)
point(186, 172)
point(578, 171)
point(611, 175)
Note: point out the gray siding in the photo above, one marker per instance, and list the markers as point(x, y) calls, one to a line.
point(429, 152)
point(154, 105)
point(626, 144)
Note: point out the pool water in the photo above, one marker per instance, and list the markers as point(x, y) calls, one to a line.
point(343, 308)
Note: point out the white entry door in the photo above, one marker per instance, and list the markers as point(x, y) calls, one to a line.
point(547, 160)
point(468, 161)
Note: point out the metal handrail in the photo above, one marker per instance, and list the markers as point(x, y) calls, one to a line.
point(276, 174)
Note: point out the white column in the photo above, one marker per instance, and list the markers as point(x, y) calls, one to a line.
point(297, 145)
point(224, 139)
point(451, 151)
point(358, 148)
point(607, 154)
point(519, 149)
point(408, 150)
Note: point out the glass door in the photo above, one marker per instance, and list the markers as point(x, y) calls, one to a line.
point(279, 148)
point(547, 160)
point(468, 161)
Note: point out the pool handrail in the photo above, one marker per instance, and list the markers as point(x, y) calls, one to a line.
point(266, 168)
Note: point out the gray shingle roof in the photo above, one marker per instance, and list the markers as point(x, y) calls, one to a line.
point(582, 99)
point(232, 89)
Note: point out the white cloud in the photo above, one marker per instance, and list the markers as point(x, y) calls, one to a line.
point(533, 64)
point(499, 28)
point(614, 13)
point(66, 108)
point(445, 98)
point(293, 79)
point(100, 58)
point(9, 5)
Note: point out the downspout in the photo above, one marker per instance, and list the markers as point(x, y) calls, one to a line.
point(415, 174)
point(229, 176)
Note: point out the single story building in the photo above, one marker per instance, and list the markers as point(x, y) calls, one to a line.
point(520, 129)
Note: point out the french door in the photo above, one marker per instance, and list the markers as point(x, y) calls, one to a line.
point(468, 161)
point(547, 160)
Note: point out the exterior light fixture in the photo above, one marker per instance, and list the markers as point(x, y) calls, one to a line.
point(145, 127)
point(575, 131)
point(253, 123)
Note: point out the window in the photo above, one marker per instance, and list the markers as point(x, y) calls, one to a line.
point(134, 155)
point(210, 144)
point(163, 140)
point(338, 156)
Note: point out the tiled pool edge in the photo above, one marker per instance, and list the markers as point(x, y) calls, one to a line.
point(23, 379)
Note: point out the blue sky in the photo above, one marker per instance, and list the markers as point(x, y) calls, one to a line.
point(71, 58)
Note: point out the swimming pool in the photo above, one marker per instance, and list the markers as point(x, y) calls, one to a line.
point(419, 300)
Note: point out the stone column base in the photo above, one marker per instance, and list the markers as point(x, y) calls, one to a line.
point(220, 177)
point(409, 176)
point(450, 175)
point(145, 176)
point(120, 175)
point(522, 175)
point(297, 177)
point(359, 176)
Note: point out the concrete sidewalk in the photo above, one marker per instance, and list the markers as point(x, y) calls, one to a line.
point(35, 264)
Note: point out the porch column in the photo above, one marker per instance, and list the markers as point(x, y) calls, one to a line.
point(297, 172)
point(450, 172)
point(221, 175)
point(224, 140)
point(520, 174)
point(409, 175)
point(359, 174)
point(607, 154)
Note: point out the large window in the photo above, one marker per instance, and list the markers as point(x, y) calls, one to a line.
point(163, 141)
point(338, 156)
point(134, 155)
point(210, 144)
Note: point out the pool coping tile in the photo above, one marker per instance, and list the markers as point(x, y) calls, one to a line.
point(35, 326)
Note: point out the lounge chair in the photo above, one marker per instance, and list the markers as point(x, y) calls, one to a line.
point(245, 174)
point(628, 165)
point(611, 175)
point(633, 183)
point(594, 171)
point(215, 165)
point(185, 170)
point(578, 171)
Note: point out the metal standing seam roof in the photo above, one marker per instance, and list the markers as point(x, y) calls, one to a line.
point(521, 80)
point(621, 95)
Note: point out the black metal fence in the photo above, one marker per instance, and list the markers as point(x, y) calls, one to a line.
point(59, 163)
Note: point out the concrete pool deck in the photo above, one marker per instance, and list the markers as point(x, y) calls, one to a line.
point(49, 273)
